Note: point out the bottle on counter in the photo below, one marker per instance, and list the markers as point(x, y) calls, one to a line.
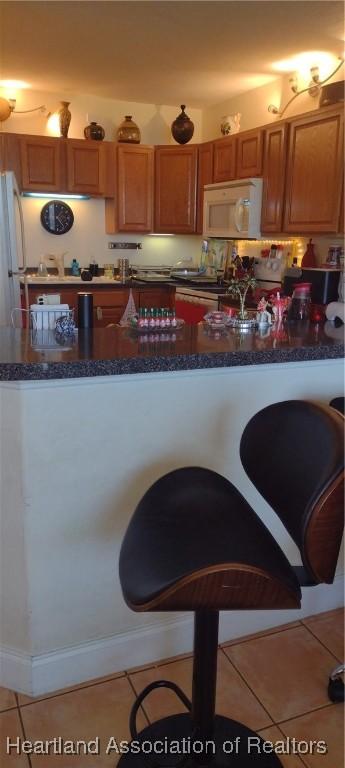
point(75, 268)
point(152, 318)
point(93, 267)
point(167, 318)
point(309, 258)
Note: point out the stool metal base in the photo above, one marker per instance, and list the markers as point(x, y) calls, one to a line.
point(233, 746)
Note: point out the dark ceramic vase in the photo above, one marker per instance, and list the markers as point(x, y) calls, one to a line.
point(128, 132)
point(94, 131)
point(182, 128)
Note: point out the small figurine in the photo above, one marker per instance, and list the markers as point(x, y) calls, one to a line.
point(263, 317)
point(279, 305)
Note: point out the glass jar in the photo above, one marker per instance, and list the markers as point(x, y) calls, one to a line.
point(299, 308)
point(109, 271)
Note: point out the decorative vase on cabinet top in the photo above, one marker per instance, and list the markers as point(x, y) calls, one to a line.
point(230, 124)
point(128, 132)
point(64, 118)
point(182, 128)
point(94, 131)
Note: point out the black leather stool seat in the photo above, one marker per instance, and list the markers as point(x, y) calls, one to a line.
point(194, 542)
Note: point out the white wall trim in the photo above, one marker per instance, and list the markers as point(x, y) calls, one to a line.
point(15, 670)
point(35, 675)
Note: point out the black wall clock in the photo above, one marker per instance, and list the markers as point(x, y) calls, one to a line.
point(57, 217)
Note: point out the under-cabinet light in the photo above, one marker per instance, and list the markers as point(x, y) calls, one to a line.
point(161, 234)
point(55, 196)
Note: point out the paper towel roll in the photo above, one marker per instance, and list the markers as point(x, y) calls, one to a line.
point(335, 309)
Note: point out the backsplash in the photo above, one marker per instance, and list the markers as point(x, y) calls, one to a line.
point(87, 239)
point(294, 247)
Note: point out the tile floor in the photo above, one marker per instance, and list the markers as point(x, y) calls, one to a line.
point(275, 682)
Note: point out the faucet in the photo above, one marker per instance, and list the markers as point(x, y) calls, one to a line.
point(59, 261)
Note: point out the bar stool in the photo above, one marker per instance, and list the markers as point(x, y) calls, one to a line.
point(336, 689)
point(195, 544)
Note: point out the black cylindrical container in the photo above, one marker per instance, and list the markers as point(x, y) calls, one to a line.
point(85, 310)
point(85, 343)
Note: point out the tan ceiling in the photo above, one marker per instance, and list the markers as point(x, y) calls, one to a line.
point(200, 53)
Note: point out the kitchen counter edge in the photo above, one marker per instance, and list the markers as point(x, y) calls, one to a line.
point(24, 369)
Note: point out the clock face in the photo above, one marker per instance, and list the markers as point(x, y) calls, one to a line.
point(57, 217)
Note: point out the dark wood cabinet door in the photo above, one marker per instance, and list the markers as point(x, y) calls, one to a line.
point(249, 154)
point(314, 173)
point(175, 189)
point(86, 167)
point(42, 163)
point(135, 188)
point(205, 176)
point(224, 159)
point(274, 178)
point(155, 297)
point(109, 306)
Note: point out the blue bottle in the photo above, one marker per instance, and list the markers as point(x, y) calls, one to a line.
point(75, 269)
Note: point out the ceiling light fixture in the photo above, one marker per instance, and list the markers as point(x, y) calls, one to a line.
point(8, 106)
point(313, 88)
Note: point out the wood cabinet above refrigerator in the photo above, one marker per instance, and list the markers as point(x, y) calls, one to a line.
point(57, 165)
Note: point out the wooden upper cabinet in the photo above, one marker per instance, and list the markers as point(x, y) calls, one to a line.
point(314, 173)
point(224, 159)
point(135, 188)
point(41, 163)
point(249, 154)
point(205, 176)
point(86, 167)
point(10, 155)
point(274, 178)
point(175, 189)
point(130, 206)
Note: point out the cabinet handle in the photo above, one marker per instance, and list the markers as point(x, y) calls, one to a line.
point(99, 313)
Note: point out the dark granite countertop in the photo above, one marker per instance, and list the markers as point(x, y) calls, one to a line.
point(25, 354)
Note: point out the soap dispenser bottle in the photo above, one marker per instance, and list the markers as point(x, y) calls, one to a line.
point(75, 268)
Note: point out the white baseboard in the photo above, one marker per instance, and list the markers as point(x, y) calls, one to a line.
point(35, 675)
point(15, 670)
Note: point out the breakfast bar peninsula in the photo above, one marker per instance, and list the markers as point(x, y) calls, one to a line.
point(86, 427)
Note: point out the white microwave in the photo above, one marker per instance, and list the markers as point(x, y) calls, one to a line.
point(233, 209)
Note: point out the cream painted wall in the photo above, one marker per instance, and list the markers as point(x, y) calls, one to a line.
point(87, 239)
point(153, 120)
point(253, 106)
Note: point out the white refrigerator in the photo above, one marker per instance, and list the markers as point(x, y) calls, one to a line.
point(12, 247)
